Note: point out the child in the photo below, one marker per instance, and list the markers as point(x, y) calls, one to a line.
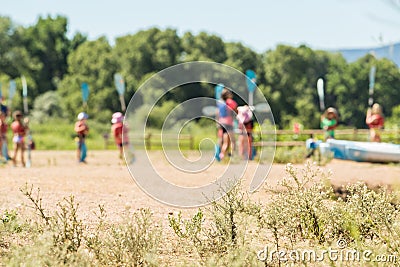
point(19, 131)
point(375, 122)
point(226, 109)
point(3, 135)
point(82, 130)
point(120, 132)
point(246, 124)
point(329, 122)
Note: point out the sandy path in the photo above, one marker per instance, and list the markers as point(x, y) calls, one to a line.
point(104, 180)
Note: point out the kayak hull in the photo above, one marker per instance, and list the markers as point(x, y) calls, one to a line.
point(364, 151)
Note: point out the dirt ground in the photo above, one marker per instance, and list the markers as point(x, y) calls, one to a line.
point(105, 180)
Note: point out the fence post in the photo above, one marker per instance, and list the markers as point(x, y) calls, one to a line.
point(147, 141)
point(191, 142)
point(106, 136)
point(355, 132)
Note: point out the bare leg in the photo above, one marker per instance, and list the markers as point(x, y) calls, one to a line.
point(225, 144)
point(232, 141)
point(241, 145)
point(22, 146)
point(121, 152)
point(249, 148)
point(14, 158)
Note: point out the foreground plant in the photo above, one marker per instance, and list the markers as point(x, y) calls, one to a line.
point(64, 240)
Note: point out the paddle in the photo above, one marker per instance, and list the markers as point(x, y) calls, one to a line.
point(320, 90)
point(85, 94)
point(11, 91)
point(251, 84)
point(371, 85)
point(25, 94)
point(262, 107)
point(120, 86)
point(209, 111)
point(25, 99)
point(218, 91)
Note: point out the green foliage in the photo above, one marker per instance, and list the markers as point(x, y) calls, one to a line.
point(287, 76)
point(203, 47)
point(291, 154)
point(46, 106)
point(59, 134)
point(92, 63)
point(64, 240)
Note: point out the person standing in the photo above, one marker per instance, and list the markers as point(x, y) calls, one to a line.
point(375, 122)
point(3, 136)
point(329, 122)
point(120, 132)
point(227, 109)
point(82, 130)
point(19, 130)
point(246, 125)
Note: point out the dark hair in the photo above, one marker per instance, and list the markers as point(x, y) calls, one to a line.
point(226, 94)
point(17, 114)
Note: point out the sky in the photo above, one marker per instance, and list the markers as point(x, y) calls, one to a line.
point(258, 24)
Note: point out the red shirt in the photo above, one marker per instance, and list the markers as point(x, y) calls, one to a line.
point(231, 107)
point(81, 128)
point(3, 128)
point(120, 133)
point(18, 128)
point(375, 121)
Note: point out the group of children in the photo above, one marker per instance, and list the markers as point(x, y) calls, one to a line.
point(119, 131)
point(374, 119)
point(227, 111)
point(20, 128)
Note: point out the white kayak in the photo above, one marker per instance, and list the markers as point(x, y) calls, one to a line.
point(362, 151)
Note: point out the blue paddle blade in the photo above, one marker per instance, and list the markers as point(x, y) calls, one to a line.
point(13, 87)
point(372, 77)
point(251, 80)
point(24, 86)
point(85, 92)
point(209, 111)
point(217, 151)
point(218, 90)
point(119, 83)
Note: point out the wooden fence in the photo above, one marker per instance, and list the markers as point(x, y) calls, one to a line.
point(157, 141)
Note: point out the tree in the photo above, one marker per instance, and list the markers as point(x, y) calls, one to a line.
point(15, 58)
point(203, 47)
point(291, 75)
point(48, 44)
point(145, 52)
point(93, 63)
point(47, 106)
point(242, 58)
